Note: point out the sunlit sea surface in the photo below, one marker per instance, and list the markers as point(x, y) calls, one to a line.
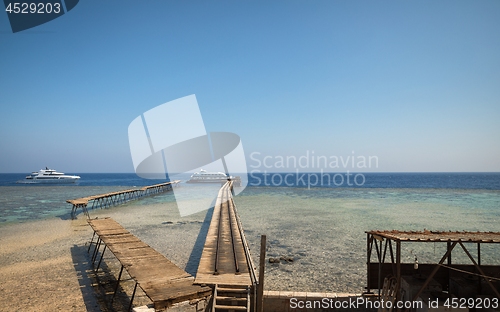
point(322, 228)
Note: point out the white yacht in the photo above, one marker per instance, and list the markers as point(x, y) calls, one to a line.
point(209, 177)
point(49, 176)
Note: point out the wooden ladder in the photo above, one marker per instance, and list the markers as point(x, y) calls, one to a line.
point(231, 298)
point(389, 293)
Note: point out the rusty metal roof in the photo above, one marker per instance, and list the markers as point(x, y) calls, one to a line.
point(438, 236)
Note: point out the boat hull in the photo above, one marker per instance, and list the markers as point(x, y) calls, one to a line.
point(49, 181)
point(49, 176)
point(236, 181)
point(207, 181)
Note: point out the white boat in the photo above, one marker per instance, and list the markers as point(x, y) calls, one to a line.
point(49, 176)
point(210, 177)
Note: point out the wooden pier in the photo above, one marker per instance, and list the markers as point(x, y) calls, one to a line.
point(117, 198)
point(226, 270)
point(225, 262)
point(163, 282)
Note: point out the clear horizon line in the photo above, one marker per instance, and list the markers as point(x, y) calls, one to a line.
point(294, 172)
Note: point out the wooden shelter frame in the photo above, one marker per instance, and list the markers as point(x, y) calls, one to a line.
point(379, 243)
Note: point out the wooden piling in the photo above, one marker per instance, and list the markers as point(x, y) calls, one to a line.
point(262, 266)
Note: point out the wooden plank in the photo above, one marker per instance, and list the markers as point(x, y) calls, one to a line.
point(225, 279)
point(111, 232)
point(195, 293)
point(122, 239)
point(175, 290)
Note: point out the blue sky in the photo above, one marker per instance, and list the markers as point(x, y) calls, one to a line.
point(414, 83)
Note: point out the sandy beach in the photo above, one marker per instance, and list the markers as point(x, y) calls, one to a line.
point(44, 265)
point(40, 266)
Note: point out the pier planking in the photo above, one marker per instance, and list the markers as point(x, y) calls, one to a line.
point(225, 238)
point(161, 280)
point(115, 198)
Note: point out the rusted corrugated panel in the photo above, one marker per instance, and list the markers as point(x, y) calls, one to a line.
point(439, 236)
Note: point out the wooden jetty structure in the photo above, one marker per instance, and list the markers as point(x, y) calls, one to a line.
point(423, 281)
point(226, 271)
point(117, 198)
point(163, 282)
point(226, 264)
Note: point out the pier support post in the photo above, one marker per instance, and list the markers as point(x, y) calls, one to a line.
point(117, 284)
point(102, 256)
point(398, 271)
point(132, 299)
point(96, 250)
point(262, 266)
point(91, 241)
point(368, 257)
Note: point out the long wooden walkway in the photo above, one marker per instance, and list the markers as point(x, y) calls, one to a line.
point(162, 281)
point(116, 198)
point(225, 262)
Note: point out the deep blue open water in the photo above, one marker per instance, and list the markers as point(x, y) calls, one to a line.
point(486, 181)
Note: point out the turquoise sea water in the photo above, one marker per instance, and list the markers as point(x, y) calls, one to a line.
point(21, 203)
point(324, 229)
point(34, 202)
